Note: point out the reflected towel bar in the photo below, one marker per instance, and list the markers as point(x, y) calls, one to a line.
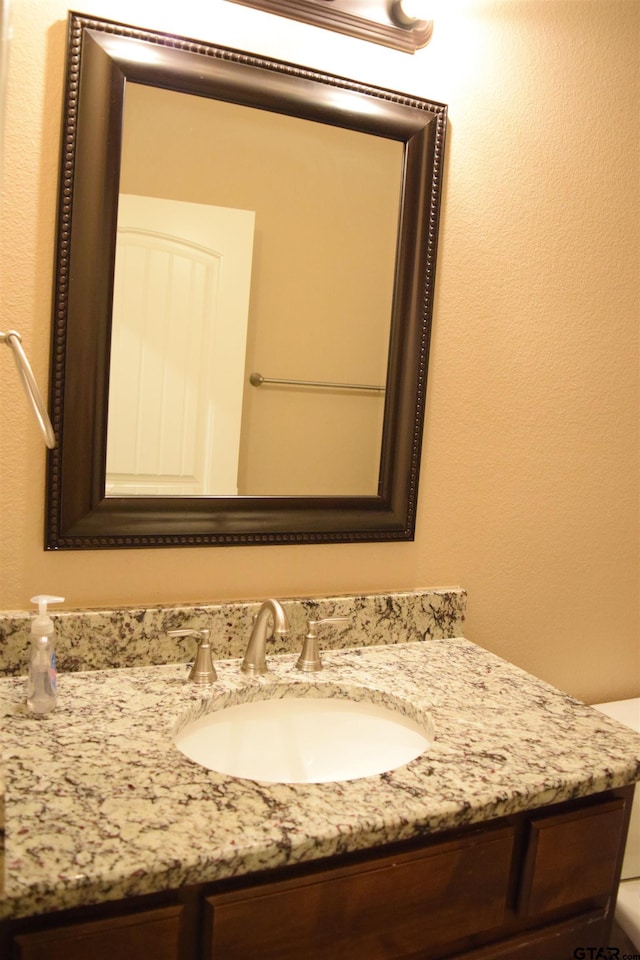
point(256, 380)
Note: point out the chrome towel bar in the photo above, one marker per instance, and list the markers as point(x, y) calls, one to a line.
point(256, 380)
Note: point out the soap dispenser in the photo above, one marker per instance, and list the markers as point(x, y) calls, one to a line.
point(42, 682)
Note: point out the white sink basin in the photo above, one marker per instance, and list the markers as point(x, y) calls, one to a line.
point(305, 737)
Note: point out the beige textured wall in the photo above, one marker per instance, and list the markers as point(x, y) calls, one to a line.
point(529, 486)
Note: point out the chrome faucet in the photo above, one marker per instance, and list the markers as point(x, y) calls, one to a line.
point(254, 659)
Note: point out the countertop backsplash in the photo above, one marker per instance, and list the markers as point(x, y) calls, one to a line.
point(138, 636)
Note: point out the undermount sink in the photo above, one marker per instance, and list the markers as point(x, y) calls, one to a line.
point(307, 735)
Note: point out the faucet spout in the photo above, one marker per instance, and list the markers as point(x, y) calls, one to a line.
point(255, 657)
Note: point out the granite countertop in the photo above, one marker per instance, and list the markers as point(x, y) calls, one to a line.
point(100, 805)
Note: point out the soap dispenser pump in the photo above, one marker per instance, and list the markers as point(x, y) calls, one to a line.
point(42, 682)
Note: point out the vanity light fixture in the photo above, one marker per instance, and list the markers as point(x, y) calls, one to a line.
point(393, 23)
point(408, 13)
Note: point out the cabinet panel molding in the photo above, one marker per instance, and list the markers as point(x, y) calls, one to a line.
point(153, 934)
point(390, 908)
point(556, 942)
point(571, 857)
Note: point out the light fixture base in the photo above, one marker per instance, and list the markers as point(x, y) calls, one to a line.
point(377, 21)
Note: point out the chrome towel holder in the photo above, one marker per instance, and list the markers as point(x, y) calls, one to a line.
point(13, 339)
point(256, 380)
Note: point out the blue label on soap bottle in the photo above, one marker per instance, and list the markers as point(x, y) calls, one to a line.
point(53, 673)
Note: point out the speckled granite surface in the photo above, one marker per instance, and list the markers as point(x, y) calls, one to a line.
point(128, 637)
point(100, 805)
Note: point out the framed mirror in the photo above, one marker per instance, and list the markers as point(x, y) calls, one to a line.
point(243, 298)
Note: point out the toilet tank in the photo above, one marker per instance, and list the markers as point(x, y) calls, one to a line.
point(628, 712)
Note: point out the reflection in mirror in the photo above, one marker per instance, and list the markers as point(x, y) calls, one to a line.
point(324, 202)
point(179, 332)
point(313, 207)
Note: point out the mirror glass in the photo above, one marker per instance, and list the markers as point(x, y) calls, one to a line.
point(244, 288)
point(261, 244)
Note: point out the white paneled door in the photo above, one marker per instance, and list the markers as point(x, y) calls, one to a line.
point(181, 301)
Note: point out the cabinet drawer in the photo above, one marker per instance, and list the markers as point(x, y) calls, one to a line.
point(389, 908)
point(571, 857)
point(152, 933)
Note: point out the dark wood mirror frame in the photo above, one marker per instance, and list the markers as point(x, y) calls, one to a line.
point(102, 57)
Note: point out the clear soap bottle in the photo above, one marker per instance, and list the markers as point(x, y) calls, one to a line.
point(42, 681)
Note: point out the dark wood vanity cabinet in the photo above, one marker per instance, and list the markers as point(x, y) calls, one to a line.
point(570, 857)
point(149, 933)
point(524, 887)
point(391, 906)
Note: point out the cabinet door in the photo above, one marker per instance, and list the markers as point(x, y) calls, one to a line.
point(571, 857)
point(391, 907)
point(152, 935)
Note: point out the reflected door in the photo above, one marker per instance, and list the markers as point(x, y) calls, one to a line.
point(181, 300)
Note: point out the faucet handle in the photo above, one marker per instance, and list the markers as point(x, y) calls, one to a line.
point(203, 671)
point(309, 660)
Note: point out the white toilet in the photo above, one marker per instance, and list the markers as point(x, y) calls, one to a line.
point(628, 906)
